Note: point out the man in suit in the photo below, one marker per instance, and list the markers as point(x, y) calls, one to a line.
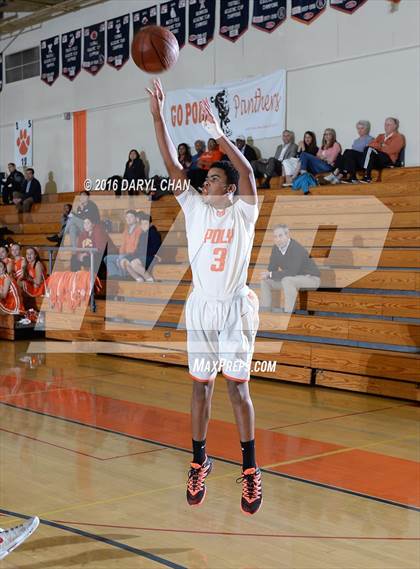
point(272, 166)
point(13, 183)
point(30, 194)
point(246, 150)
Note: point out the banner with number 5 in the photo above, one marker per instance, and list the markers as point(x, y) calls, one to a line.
point(23, 143)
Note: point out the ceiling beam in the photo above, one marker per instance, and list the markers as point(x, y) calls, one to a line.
point(8, 26)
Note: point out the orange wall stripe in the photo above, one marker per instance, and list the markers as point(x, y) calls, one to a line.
point(79, 149)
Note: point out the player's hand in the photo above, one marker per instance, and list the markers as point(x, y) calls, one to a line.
point(157, 98)
point(209, 121)
point(265, 275)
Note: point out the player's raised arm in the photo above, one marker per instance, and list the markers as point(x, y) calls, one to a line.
point(166, 146)
point(247, 189)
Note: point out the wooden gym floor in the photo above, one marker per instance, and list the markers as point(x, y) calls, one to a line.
point(96, 446)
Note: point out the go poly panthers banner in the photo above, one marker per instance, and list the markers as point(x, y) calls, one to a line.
point(71, 54)
point(347, 6)
point(94, 48)
point(202, 16)
point(145, 17)
point(268, 14)
point(172, 16)
point(254, 107)
point(234, 16)
point(117, 41)
point(1, 72)
point(50, 60)
point(306, 11)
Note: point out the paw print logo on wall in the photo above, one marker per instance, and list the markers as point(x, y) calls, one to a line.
point(23, 141)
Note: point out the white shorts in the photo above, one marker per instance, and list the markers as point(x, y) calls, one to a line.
point(221, 335)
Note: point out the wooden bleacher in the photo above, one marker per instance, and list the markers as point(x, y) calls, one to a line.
point(358, 332)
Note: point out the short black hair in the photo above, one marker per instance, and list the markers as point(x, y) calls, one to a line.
point(85, 192)
point(143, 215)
point(12, 164)
point(30, 170)
point(132, 211)
point(231, 172)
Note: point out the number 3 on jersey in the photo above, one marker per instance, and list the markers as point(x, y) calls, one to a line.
point(220, 259)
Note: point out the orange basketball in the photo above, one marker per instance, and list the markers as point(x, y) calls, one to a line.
point(154, 49)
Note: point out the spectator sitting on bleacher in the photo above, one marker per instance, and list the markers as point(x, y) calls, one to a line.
point(57, 237)
point(195, 174)
point(130, 240)
point(352, 159)
point(87, 209)
point(10, 296)
point(273, 166)
point(30, 194)
point(203, 162)
point(18, 261)
point(290, 269)
point(34, 273)
point(384, 150)
point(93, 236)
point(134, 171)
point(184, 155)
point(246, 149)
point(200, 147)
point(13, 183)
point(324, 161)
point(212, 154)
point(140, 264)
point(4, 256)
point(291, 166)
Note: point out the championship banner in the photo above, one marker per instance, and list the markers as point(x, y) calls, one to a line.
point(23, 143)
point(201, 19)
point(71, 54)
point(118, 41)
point(268, 14)
point(307, 11)
point(50, 60)
point(145, 17)
point(253, 107)
point(234, 16)
point(347, 6)
point(1, 72)
point(94, 48)
point(172, 16)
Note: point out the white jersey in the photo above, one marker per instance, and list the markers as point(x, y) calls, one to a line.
point(219, 244)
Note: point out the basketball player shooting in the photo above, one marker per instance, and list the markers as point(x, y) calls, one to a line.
point(221, 311)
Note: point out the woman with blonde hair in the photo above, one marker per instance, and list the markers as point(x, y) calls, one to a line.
point(18, 261)
point(326, 156)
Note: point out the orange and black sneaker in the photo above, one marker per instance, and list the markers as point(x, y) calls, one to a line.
point(251, 491)
point(196, 486)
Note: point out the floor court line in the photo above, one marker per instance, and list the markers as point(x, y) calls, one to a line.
point(244, 534)
point(228, 461)
point(341, 416)
point(35, 439)
point(102, 539)
point(339, 451)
